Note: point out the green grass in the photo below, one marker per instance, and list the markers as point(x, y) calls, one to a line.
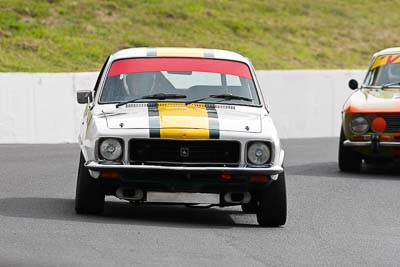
point(69, 36)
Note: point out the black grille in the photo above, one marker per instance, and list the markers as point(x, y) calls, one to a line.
point(393, 123)
point(184, 152)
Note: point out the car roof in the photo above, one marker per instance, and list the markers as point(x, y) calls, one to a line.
point(143, 52)
point(391, 50)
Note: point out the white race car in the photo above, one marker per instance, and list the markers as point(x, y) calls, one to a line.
point(180, 126)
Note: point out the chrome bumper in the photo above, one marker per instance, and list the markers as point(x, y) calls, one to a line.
point(370, 143)
point(95, 166)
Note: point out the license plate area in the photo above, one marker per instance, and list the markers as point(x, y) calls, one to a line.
point(181, 197)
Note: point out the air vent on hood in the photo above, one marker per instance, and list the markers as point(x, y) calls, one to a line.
point(224, 107)
point(170, 105)
point(136, 105)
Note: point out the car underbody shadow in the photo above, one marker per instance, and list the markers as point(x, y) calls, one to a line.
point(118, 212)
point(388, 171)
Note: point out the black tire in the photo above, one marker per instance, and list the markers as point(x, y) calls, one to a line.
point(250, 207)
point(272, 209)
point(89, 197)
point(349, 160)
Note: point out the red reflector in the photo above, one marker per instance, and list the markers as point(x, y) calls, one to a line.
point(378, 124)
point(385, 138)
point(109, 174)
point(258, 178)
point(357, 138)
point(226, 176)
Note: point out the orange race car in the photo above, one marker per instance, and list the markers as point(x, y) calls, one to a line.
point(371, 115)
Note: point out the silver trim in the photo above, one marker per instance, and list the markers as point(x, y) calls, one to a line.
point(92, 165)
point(369, 143)
point(189, 198)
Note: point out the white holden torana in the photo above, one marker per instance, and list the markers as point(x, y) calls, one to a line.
point(180, 126)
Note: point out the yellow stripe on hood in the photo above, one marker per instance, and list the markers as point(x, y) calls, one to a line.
point(181, 121)
point(179, 52)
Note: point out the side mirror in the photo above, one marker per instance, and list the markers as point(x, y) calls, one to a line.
point(353, 84)
point(84, 97)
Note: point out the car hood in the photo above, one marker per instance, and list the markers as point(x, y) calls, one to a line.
point(374, 101)
point(164, 116)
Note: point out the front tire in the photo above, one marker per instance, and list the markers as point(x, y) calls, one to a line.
point(89, 197)
point(272, 209)
point(349, 160)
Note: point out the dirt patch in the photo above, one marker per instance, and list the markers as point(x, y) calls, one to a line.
point(28, 45)
point(5, 34)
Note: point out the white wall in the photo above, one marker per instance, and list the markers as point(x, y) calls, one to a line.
point(307, 103)
point(42, 108)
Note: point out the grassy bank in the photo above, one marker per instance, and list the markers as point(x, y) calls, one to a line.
point(69, 36)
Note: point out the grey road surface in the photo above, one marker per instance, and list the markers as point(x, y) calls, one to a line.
point(334, 218)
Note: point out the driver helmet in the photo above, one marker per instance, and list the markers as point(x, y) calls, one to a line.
point(139, 83)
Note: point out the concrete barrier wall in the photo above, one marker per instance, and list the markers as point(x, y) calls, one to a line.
point(42, 108)
point(307, 103)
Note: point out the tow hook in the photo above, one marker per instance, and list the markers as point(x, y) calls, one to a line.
point(375, 143)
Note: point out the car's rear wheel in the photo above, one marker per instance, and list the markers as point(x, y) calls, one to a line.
point(349, 160)
point(89, 197)
point(271, 211)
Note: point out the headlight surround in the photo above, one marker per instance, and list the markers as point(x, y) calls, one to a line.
point(110, 149)
point(258, 153)
point(359, 125)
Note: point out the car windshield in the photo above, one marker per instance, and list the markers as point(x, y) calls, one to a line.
point(194, 78)
point(384, 71)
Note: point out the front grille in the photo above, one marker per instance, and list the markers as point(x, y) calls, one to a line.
point(184, 152)
point(392, 121)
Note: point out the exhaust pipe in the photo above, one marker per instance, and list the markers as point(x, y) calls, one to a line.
point(237, 197)
point(129, 193)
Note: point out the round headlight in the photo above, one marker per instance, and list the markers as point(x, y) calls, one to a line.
point(258, 153)
point(359, 125)
point(110, 149)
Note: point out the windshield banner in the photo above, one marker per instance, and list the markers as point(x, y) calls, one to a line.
point(386, 59)
point(179, 64)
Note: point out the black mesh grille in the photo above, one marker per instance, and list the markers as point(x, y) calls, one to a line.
point(393, 123)
point(184, 152)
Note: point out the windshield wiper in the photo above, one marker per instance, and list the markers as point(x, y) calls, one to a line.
point(159, 96)
point(223, 96)
point(387, 85)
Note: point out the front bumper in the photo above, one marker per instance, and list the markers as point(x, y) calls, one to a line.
point(349, 143)
point(375, 148)
point(183, 178)
point(95, 166)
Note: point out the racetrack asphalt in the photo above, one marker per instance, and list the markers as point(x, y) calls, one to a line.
point(334, 218)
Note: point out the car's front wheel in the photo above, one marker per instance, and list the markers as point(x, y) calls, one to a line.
point(89, 197)
point(349, 160)
point(250, 207)
point(272, 204)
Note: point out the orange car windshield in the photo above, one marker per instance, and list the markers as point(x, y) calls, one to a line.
point(385, 70)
